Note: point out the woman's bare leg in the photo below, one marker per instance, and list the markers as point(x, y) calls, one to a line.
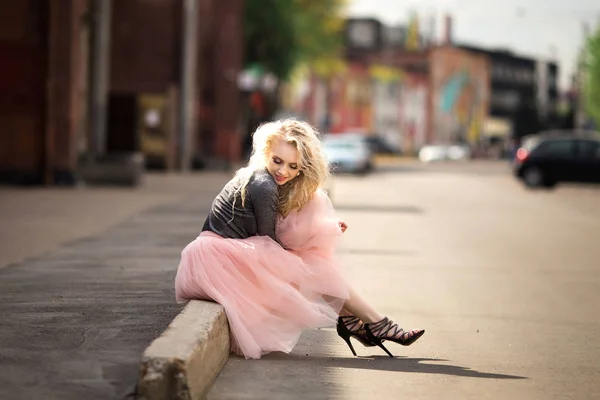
point(345, 313)
point(381, 328)
point(355, 305)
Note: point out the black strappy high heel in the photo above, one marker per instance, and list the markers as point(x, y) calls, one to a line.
point(386, 329)
point(350, 326)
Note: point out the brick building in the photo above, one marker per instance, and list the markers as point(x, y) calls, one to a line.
point(436, 94)
point(41, 89)
point(160, 78)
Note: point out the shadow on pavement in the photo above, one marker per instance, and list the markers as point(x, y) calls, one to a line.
point(314, 370)
point(396, 364)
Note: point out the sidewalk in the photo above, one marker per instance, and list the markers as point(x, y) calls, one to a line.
point(37, 220)
point(75, 320)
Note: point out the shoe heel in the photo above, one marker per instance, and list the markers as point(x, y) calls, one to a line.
point(376, 341)
point(380, 345)
point(349, 343)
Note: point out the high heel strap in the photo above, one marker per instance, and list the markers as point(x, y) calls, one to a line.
point(386, 329)
point(352, 323)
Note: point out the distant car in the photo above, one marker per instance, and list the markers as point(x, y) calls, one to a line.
point(545, 160)
point(348, 153)
point(431, 153)
point(379, 145)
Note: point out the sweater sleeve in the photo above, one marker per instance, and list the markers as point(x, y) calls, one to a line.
point(264, 194)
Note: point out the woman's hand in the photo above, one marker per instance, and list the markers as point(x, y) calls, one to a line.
point(343, 226)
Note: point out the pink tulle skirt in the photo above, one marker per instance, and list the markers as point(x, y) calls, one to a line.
point(270, 294)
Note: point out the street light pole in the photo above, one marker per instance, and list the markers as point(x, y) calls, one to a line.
point(99, 75)
point(187, 88)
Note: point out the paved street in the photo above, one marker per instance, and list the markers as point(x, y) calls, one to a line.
point(90, 284)
point(506, 281)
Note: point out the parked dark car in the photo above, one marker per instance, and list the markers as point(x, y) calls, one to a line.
point(545, 160)
point(379, 145)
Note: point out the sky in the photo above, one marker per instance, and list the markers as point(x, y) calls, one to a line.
point(548, 29)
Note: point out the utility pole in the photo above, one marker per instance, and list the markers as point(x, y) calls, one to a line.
point(99, 75)
point(187, 87)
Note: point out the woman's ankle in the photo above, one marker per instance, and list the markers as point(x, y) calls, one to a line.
point(373, 318)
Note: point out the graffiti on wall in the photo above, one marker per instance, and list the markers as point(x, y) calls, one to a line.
point(461, 92)
point(351, 101)
point(413, 114)
point(387, 84)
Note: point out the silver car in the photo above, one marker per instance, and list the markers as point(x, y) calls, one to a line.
point(348, 153)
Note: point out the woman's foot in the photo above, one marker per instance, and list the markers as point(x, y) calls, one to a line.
point(386, 329)
point(350, 326)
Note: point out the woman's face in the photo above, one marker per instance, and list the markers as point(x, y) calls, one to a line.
point(284, 162)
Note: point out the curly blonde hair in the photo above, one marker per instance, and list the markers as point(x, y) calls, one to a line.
point(293, 195)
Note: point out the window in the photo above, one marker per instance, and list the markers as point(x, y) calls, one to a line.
point(496, 72)
point(556, 148)
point(588, 149)
point(501, 72)
point(362, 34)
point(527, 76)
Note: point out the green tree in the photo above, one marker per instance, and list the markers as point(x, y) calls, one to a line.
point(592, 81)
point(280, 34)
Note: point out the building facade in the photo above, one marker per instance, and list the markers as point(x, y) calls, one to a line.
point(434, 94)
point(41, 89)
point(151, 76)
point(524, 93)
point(459, 95)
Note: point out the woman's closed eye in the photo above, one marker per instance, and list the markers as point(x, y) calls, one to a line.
point(279, 161)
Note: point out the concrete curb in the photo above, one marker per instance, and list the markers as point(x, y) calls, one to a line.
point(183, 362)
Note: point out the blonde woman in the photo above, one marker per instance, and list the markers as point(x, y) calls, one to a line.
point(267, 252)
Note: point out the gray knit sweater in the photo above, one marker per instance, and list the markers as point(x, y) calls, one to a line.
point(258, 216)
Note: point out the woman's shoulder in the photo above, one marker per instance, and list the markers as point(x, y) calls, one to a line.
point(261, 182)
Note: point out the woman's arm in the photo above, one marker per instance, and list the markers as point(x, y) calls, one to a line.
point(264, 195)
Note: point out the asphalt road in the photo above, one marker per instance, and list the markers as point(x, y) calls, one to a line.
point(86, 282)
point(505, 280)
